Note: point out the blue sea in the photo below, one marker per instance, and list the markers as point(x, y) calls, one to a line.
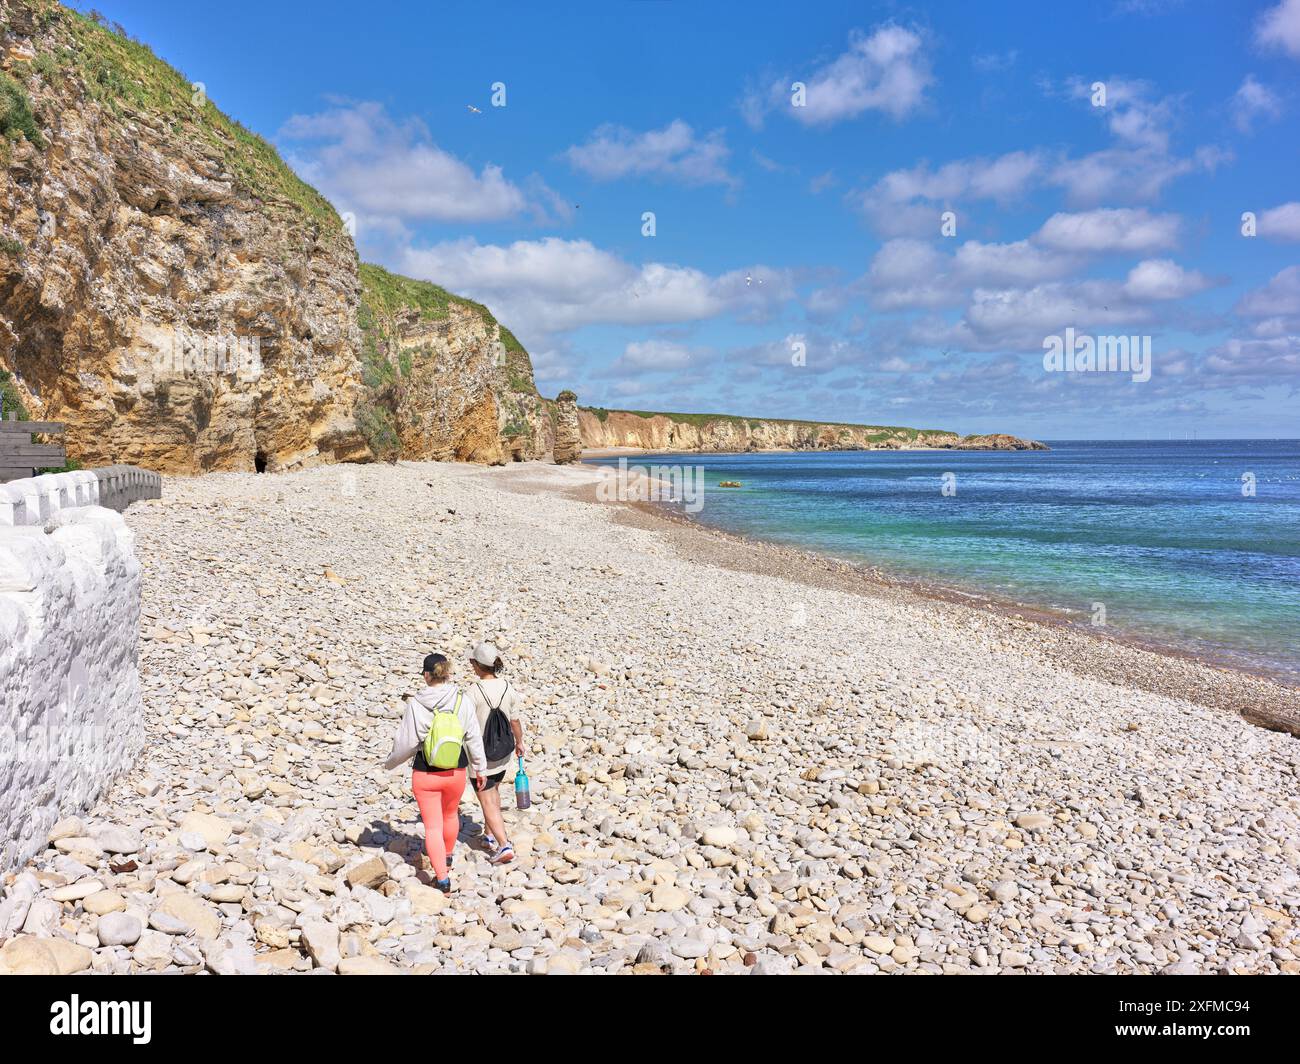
point(1189, 544)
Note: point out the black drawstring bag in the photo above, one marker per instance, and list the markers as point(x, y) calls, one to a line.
point(498, 736)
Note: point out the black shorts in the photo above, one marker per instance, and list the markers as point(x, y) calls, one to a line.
point(489, 782)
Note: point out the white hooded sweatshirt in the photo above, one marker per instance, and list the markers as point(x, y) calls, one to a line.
point(418, 719)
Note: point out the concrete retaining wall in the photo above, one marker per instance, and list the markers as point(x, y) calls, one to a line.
point(35, 500)
point(70, 712)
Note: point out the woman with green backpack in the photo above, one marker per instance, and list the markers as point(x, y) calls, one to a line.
point(441, 731)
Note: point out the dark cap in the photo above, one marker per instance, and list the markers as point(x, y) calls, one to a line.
point(431, 661)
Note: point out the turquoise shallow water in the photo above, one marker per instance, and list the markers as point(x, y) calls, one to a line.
point(1161, 534)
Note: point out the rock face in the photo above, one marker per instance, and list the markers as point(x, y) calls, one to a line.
point(168, 287)
point(724, 433)
point(445, 381)
point(175, 294)
point(568, 442)
point(1000, 441)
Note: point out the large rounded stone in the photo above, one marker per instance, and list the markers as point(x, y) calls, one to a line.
point(193, 914)
point(70, 957)
point(720, 836)
point(212, 829)
point(28, 955)
point(116, 839)
point(104, 902)
point(119, 929)
point(667, 899)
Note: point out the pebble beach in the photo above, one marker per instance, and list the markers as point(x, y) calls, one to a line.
point(740, 762)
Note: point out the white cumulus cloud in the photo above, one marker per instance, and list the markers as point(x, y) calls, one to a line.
point(1163, 279)
point(887, 70)
point(1279, 28)
point(1280, 298)
point(672, 153)
point(1110, 229)
point(388, 171)
point(551, 285)
point(1281, 222)
point(908, 201)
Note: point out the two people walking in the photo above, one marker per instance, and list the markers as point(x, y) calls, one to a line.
point(455, 735)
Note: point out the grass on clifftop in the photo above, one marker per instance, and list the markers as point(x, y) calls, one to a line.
point(125, 77)
point(388, 294)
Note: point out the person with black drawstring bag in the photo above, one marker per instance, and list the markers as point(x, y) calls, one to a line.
point(496, 704)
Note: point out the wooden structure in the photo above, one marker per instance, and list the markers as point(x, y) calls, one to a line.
point(19, 456)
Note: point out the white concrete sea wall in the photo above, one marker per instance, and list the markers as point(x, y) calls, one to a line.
point(70, 712)
point(34, 500)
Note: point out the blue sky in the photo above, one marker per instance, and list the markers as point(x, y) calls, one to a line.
point(798, 266)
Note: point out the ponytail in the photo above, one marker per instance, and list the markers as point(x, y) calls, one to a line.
point(437, 666)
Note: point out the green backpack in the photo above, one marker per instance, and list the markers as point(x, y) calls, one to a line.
point(442, 746)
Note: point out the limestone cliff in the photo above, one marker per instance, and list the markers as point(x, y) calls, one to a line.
point(168, 288)
point(724, 433)
point(173, 292)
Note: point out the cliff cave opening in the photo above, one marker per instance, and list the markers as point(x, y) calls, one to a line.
point(259, 462)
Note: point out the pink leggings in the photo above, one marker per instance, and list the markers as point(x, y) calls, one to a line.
point(438, 796)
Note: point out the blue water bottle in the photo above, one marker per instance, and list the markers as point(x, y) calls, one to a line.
point(522, 799)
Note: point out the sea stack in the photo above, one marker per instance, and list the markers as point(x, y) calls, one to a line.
point(568, 442)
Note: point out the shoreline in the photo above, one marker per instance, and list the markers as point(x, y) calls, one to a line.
point(1268, 700)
